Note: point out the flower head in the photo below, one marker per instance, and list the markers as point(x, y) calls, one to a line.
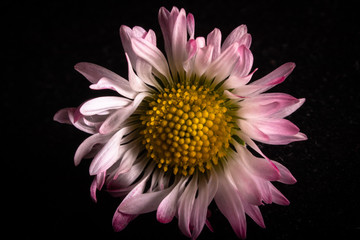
point(178, 135)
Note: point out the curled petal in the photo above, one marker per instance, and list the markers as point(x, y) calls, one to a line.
point(95, 72)
point(97, 184)
point(74, 117)
point(143, 203)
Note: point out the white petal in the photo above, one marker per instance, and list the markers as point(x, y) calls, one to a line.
point(143, 203)
point(129, 157)
point(206, 193)
point(224, 64)
point(214, 39)
point(101, 104)
point(88, 144)
point(168, 206)
point(152, 55)
point(230, 204)
point(178, 41)
point(136, 83)
point(203, 59)
point(114, 121)
point(109, 154)
point(186, 203)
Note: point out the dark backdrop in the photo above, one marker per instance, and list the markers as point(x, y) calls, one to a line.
point(47, 194)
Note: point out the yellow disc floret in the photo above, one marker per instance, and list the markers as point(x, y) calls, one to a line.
point(186, 129)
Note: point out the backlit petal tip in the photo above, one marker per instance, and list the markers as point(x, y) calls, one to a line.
point(62, 116)
point(121, 220)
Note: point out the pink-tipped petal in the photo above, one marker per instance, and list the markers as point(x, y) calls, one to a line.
point(72, 116)
point(277, 196)
point(258, 166)
point(231, 206)
point(245, 183)
point(255, 214)
point(234, 36)
point(190, 23)
point(62, 116)
point(251, 89)
point(269, 105)
point(285, 175)
point(252, 131)
point(214, 39)
point(271, 131)
point(121, 220)
point(97, 184)
point(270, 80)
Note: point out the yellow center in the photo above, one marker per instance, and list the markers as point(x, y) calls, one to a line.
point(187, 129)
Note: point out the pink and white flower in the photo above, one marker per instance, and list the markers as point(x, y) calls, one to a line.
point(178, 135)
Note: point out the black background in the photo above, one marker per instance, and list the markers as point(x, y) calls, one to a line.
point(42, 41)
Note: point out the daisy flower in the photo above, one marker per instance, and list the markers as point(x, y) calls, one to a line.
point(178, 135)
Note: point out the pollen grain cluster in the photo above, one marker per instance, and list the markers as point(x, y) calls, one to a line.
point(186, 129)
